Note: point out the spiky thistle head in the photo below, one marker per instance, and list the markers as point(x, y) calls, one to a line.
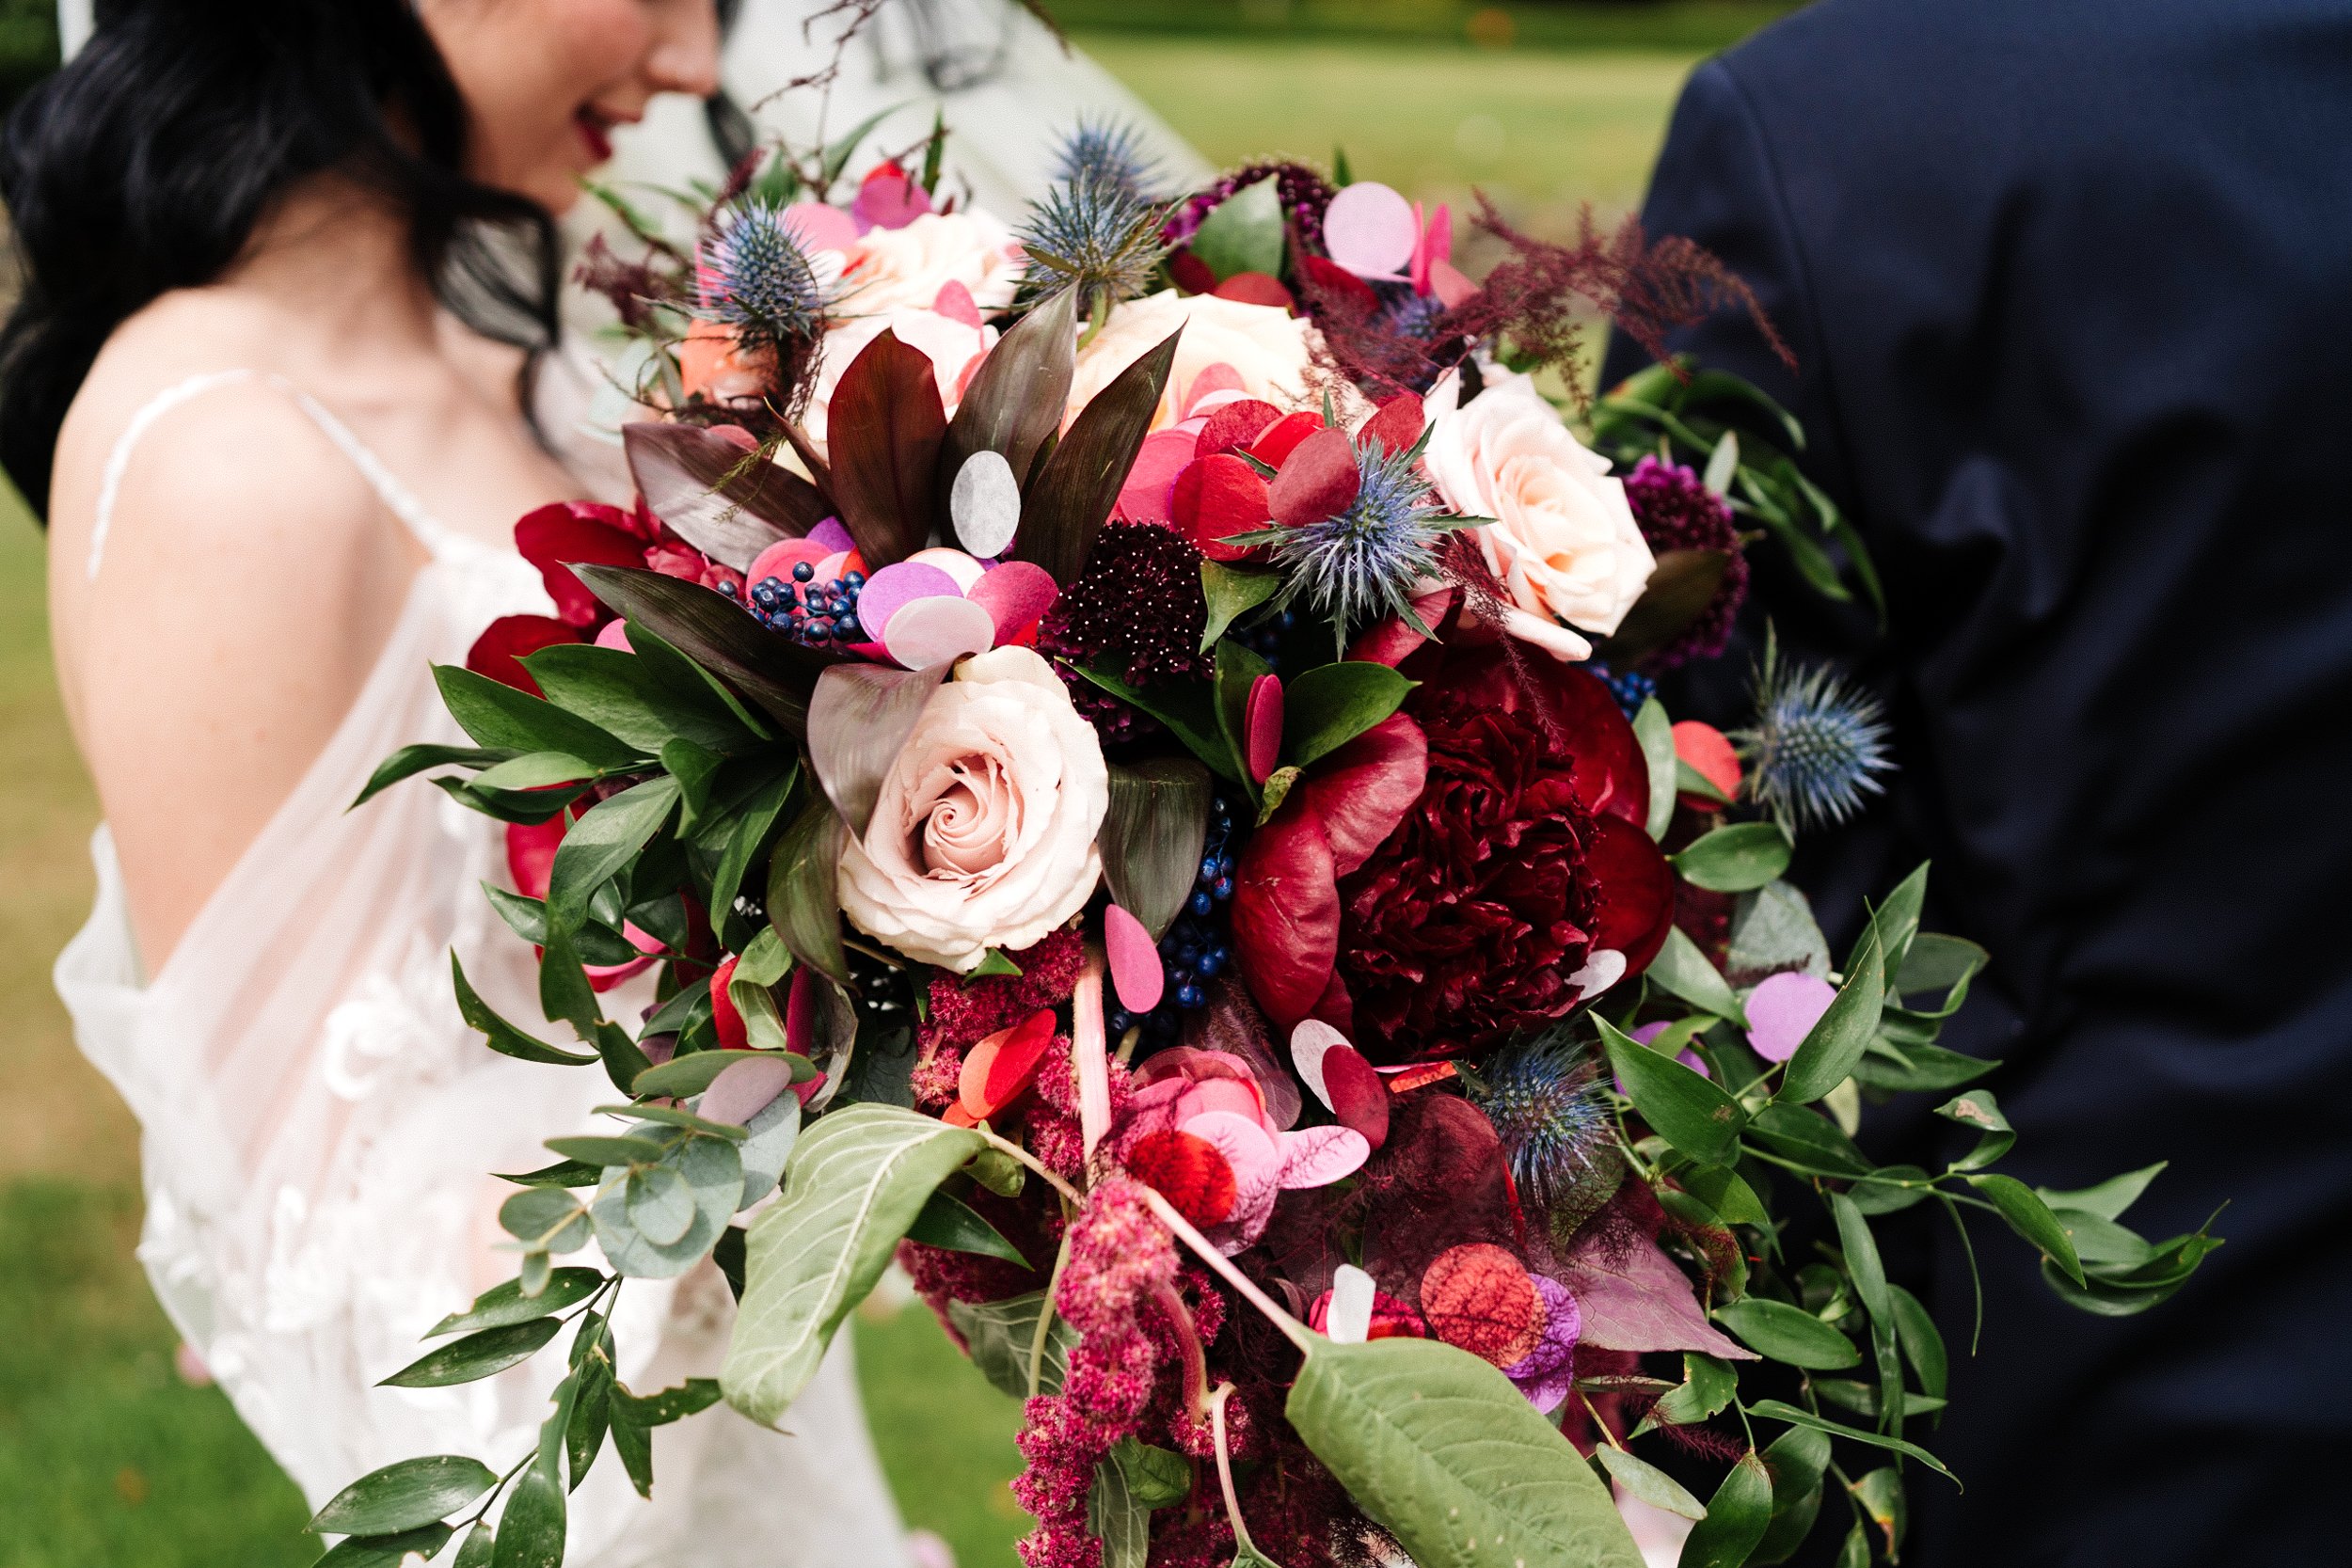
point(1095, 235)
point(1366, 560)
point(1544, 1096)
point(1816, 747)
point(754, 276)
point(1109, 151)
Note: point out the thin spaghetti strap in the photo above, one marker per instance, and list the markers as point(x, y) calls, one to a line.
point(397, 497)
point(118, 460)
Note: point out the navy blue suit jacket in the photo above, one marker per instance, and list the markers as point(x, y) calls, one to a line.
point(2069, 283)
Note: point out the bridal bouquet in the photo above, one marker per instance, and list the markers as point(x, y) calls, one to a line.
point(1127, 745)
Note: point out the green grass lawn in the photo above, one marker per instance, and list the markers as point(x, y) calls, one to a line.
point(106, 1459)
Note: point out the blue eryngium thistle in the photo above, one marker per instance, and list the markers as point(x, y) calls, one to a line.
point(1108, 152)
point(1096, 236)
point(758, 280)
point(1816, 747)
point(1544, 1096)
point(1366, 561)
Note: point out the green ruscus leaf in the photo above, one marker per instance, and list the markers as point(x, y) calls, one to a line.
point(1439, 1449)
point(402, 1496)
point(1735, 1517)
point(1685, 1109)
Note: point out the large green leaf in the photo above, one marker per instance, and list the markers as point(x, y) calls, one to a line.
point(620, 693)
point(1072, 493)
point(1735, 1517)
point(1118, 1518)
point(1682, 969)
point(402, 1496)
point(601, 844)
point(1683, 1108)
point(949, 1223)
point(1655, 733)
point(804, 890)
point(1016, 397)
point(1649, 1483)
point(1827, 1057)
point(886, 426)
point(1439, 1449)
point(1001, 1337)
point(1789, 1333)
point(1737, 858)
point(496, 715)
point(718, 634)
point(1326, 707)
point(1152, 835)
point(475, 1356)
point(855, 1182)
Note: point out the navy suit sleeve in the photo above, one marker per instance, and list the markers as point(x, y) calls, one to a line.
point(1715, 182)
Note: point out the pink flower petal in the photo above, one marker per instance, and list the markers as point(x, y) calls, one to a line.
point(745, 1089)
point(1235, 1095)
point(1137, 975)
point(931, 631)
point(1783, 1010)
point(894, 588)
point(1219, 378)
point(1371, 230)
point(1261, 727)
point(1309, 1042)
point(1147, 495)
point(831, 568)
point(1435, 244)
point(955, 302)
point(614, 634)
point(819, 227)
point(1450, 283)
point(1016, 595)
point(1318, 1156)
point(1249, 1148)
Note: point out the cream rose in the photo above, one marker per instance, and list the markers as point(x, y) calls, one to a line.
point(900, 269)
point(1268, 346)
point(1563, 542)
point(983, 835)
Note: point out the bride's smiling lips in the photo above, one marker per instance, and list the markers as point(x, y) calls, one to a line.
point(595, 126)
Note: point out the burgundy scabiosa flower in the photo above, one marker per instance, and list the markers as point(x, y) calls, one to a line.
point(1136, 611)
point(1676, 511)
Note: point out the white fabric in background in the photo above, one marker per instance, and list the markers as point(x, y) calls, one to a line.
point(318, 1125)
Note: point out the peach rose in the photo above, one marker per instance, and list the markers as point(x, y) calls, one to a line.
point(983, 835)
point(897, 269)
point(1268, 347)
point(1563, 542)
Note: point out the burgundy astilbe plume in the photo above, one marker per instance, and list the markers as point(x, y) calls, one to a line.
point(1648, 289)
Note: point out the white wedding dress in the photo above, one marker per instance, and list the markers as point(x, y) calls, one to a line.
point(318, 1124)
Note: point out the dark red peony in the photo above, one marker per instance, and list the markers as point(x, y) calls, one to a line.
point(1470, 922)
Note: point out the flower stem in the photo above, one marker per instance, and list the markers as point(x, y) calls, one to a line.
point(1076, 1197)
point(1046, 1316)
point(1297, 1333)
point(1188, 1339)
point(1224, 1470)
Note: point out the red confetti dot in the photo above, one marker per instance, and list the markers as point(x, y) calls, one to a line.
point(1479, 1298)
point(1188, 1172)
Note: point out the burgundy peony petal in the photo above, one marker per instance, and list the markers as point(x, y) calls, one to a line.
point(1611, 775)
point(573, 533)
point(1256, 287)
point(1217, 497)
point(1637, 891)
point(1359, 1098)
point(1234, 425)
point(1335, 1007)
point(1397, 424)
point(1391, 641)
point(1360, 792)
point(1286, 915)
point(1317, 481)
point(1261, 727)
point(1283, 436)
point(499, 651)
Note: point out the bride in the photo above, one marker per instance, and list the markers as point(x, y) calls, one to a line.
point(289, 264)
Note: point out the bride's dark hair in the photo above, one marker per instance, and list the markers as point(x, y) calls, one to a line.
point(143, 165)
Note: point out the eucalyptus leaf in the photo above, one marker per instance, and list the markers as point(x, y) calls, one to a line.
point(774, 1127)
point(1683, 1108)
point(1655, 730)
point(713, 1173)
point(1001, 1335)
point(673, 1115)
point(1735, 1517)
point(475, 1356)
point(1683, 970)
point(1736, 859)
point(659, 1204)
point(1789, 1333)
point(1153, 837)
point(505, 1303)
point(544, 1219)
point(1438, 1447)
point(855, 1182)
point(402, 1496)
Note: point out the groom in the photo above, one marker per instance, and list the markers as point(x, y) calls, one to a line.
point(2069, 283)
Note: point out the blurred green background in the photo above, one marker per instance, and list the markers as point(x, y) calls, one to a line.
point(107, 1458)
